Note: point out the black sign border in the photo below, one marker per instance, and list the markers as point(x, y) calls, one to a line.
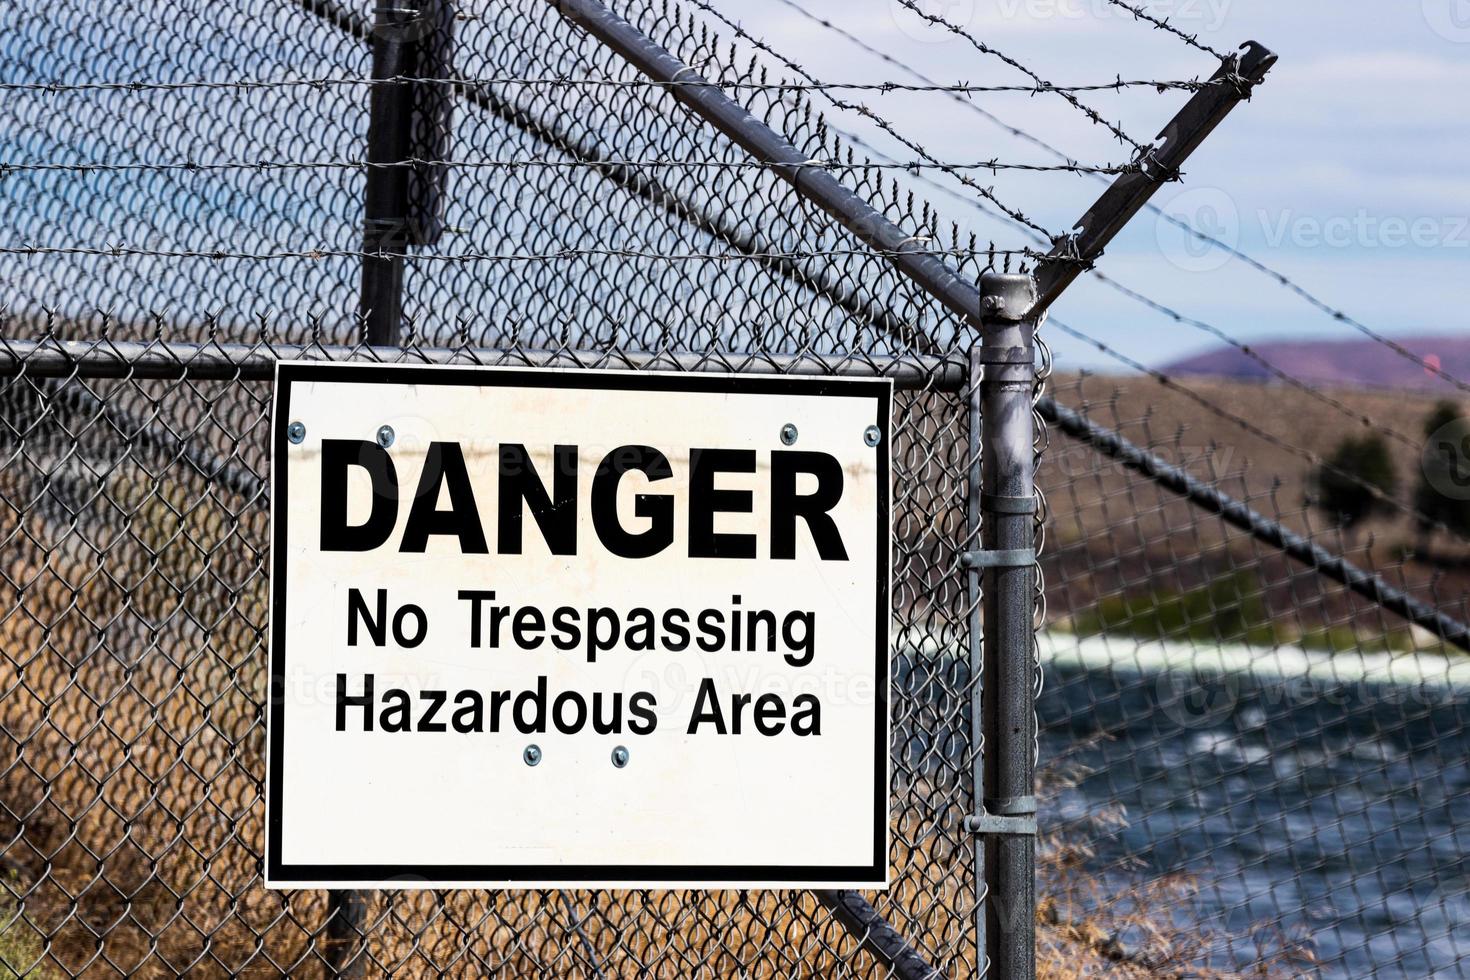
point(279, 874)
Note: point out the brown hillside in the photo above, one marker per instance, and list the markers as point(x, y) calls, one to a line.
point(1113, 532)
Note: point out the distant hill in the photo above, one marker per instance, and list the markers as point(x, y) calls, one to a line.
point(1339, 362)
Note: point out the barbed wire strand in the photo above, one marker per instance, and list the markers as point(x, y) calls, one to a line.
point(1314, 459)
point(1144, 150)
point(531, 163)
point(1312, 391)
point(1163, 24)
point(552, 82)
point(863, 110)
point(1358, 417)
point(1250, 352)
point(560, 254)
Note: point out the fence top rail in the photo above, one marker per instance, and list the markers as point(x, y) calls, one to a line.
point(215, 361)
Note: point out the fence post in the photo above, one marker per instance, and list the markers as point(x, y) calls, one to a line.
point(1002, 603)
point(397, 26)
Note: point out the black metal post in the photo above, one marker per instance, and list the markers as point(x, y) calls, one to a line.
point(397, 27)
point(346, 917)
point(1002, 378)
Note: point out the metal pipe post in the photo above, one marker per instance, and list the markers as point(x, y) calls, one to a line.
point(346, 919)
point(1001, 575)
point(976, 624)
point(397, 26)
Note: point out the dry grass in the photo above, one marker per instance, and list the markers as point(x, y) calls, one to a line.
point(1111, 532)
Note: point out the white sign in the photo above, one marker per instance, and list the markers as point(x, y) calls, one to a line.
point(592, 628)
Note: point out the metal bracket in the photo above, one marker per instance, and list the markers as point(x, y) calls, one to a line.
point(997, 504)
point(1017, 558)
point(990, 824)
point(1007, 355)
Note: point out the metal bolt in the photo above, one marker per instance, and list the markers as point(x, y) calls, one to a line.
point(532, 755)
point(385, 439)
point(296, 432)
point(788, 434)
point(620, 757)
point(872, 435)
point(992, 304)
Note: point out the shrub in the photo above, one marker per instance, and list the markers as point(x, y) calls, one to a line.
point(1355, 480)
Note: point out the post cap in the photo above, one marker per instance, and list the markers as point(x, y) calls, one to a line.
point(1006, 295)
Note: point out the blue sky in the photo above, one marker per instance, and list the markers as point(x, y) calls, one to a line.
point(1346, 172)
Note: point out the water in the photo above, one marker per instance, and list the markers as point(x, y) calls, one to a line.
point(1320, 802)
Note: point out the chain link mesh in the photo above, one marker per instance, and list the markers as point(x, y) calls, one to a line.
point(133, 528)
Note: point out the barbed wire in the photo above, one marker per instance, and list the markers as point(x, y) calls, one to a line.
point(1178, 317)
point(531, 163)
point(1315, 301)
point(1281, 278)
point(560, 254)
point(986, 192)
point(1119, 83)
point(915, 73)
point(1251, 353)
point(1297, 382)
point(1143, 149)
point(1162, 24)
point(1300, 384)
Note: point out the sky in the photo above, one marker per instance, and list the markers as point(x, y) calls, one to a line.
point(1345, 172)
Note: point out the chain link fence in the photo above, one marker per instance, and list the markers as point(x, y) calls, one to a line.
point(1246, 767)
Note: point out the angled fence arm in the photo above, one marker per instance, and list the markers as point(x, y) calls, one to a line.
point(1230, 86)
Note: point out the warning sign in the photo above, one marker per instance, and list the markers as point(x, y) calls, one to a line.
point(610, 629)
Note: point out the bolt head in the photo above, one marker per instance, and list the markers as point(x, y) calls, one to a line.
point(872, 435)
point(385, 436)
point(296, 433)
point(620, 757)
point(992, 304)
point(532, 755)
point(788, 434)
